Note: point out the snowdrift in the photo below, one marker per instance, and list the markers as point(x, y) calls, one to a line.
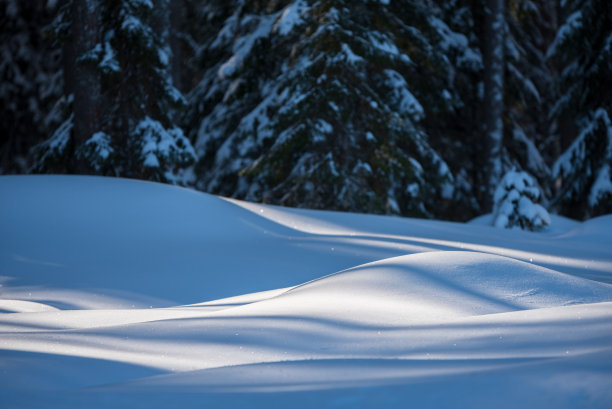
point(120, 293)
point(432, 286)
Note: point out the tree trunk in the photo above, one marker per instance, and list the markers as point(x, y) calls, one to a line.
point(494, 97)
point(86, 85)
point(177, 26)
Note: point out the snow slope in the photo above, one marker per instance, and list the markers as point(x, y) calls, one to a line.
point(118, 293)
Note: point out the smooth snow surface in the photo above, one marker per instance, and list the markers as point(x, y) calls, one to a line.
point(118, 293)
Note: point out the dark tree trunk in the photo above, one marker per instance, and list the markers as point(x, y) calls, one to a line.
point(494, 97)
point(68, 65)
point(86, 83)
point(177, 26)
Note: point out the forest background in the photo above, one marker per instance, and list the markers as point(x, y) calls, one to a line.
point(408, 107)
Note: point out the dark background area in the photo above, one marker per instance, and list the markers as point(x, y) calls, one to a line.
point(416, 107)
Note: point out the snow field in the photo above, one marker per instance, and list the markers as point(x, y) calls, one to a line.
point(118, 293)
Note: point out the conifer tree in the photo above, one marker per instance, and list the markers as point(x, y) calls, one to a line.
point(456, 119)
point(30, 80)
point(122, 121)
point(368, 105)
point(320, 104)
point(516, 203)
point(583, 51)
point(526, 94)
point(529, 88)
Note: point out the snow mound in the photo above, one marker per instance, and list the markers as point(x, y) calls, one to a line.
point(10, 306)
point(431, 286)
point(125, 238)
point(595, 229)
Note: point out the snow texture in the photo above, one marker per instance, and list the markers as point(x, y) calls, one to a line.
point(290, 17)
point(119, 293)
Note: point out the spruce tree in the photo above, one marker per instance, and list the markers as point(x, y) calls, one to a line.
point(321, 104)
point(529, 88)
point(30, 80)
point(582, 50)
point(122, 119)
point(454, 119)
point(516, 203)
